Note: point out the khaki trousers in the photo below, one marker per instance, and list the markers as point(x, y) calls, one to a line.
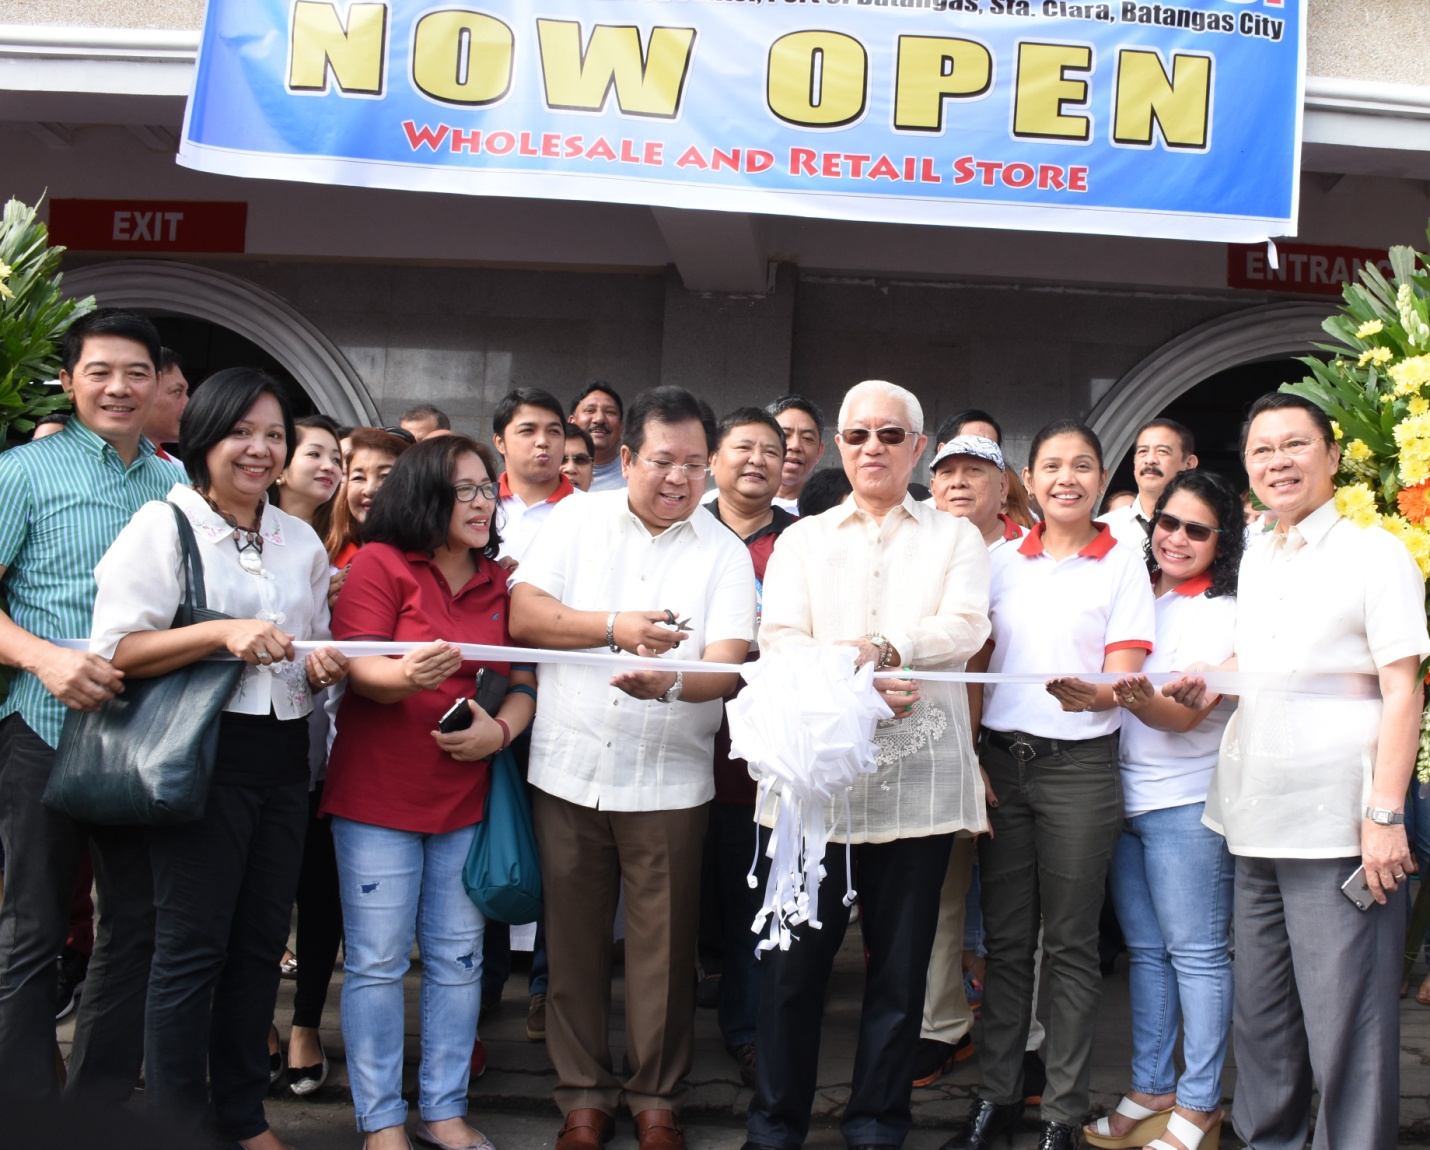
point(947, 1015)
point(588, 857)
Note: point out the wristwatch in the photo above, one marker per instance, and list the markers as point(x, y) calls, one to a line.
point(1384, 817)
point(886, 649)
point(675, 688)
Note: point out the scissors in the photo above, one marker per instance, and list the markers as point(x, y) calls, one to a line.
point(678, 624)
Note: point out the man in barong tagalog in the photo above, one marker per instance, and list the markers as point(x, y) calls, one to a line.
point(907, 586)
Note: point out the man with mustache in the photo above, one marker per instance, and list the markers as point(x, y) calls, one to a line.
point(599, 411)
point(1164, 447)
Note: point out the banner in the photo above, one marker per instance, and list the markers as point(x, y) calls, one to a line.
point(1122, 118)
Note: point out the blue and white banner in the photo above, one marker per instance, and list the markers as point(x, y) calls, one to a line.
point(1178, 120)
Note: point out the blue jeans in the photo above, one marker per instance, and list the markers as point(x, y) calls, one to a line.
point(397, 886)
point(1171, 884)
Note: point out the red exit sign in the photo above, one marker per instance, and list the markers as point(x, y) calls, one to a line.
point(149, 225)
point(1307, 269)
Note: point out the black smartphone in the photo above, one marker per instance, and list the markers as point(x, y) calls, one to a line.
point(491, 690)
point(458, 718)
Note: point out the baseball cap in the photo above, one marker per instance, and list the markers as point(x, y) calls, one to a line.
point(975, 445)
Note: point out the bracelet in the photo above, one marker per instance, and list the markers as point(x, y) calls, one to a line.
point(522, 689)
point(611, 632)
point(505, 730)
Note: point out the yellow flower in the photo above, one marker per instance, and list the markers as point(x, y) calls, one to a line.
point(1418, 405)
point(1410, 375)
point(1357, 503)
point(1357, 450)
point(1415, 538)
point(5, 270)
point(1369, 328)
point(1336, 427)
point(1376, 356)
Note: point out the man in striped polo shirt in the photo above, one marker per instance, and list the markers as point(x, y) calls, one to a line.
point(62, 502)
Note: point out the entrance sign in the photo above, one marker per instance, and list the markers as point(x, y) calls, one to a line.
point(1306, 269)
point(1180, 121)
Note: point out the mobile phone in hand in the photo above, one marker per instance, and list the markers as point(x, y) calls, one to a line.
point(458, 718)
point(1357, 890)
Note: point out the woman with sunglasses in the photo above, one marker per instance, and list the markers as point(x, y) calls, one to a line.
point(1172, 876)
point(1067, 597)
point(405, 797)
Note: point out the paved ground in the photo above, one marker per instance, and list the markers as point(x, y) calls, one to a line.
point(512, 1101)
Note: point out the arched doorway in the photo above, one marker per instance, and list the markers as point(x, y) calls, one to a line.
point(243, 308)
point(1274, 332)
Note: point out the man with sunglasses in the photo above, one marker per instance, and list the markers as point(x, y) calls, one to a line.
point(622, 764)
point(578, 462)
point(1310, 794)
point(906, 586)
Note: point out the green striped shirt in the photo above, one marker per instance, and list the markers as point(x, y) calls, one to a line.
point(63, 499)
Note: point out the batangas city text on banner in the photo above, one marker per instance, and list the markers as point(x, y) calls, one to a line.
point(1147, 119)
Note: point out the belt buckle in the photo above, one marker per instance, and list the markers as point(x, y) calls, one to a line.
point(1021, 749)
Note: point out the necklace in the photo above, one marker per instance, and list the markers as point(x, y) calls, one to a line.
point(249, 542)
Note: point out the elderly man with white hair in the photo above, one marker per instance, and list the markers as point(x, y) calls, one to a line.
point(907, 586)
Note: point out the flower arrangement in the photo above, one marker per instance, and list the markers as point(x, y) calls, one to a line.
point(1376, 389)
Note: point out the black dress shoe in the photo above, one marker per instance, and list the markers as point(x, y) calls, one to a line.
point(985, 1121)
point(1058, 1136)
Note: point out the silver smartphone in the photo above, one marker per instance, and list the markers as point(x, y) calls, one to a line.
point(1355, 889)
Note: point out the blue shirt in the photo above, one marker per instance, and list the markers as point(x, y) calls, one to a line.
point(63, 499)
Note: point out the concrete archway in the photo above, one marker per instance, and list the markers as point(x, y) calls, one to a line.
point(1272, 331)
point(243, 307)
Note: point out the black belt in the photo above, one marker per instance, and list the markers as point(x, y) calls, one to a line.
point(1025, 747)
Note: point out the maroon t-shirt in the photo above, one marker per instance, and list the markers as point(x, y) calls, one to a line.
point(733, 784)
point(385, 768)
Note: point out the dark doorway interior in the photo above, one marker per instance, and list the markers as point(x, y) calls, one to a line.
point(1215, 410)
point(207, 347)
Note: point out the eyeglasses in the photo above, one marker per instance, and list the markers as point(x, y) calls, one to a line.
point(466, 492)
point(685, 471)
point(1294, 448)
point(579, 460)
point(1196, 532)
point(858, 436)
point(400, 432)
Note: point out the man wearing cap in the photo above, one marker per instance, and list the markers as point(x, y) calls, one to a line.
point(969, 480)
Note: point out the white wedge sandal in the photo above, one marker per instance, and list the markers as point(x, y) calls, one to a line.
point(1148, 1124)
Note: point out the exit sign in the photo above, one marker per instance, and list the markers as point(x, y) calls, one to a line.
point(149, 225)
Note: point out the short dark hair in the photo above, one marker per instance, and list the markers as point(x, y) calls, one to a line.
point(574, 432)
point(1180, 430)
point(525, 397)
point(168, 358)
point(109, 321)
point(413, 509)
point(1120, 493)
point(743, 416)
point(60, 417)
point(1225, 503)
point(602, 386)
point(828, 487)
point(666, 405)
point(1066, 427)
point(1285, 400)
point(951, 426)
point(217, 406)
point(427, 411)
point(799, 403)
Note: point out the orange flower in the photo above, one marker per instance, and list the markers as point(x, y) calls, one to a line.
point(1414, 502)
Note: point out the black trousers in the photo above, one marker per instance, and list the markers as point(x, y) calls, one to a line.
point(223, 890)
point(899, 884)
point(42, 851)
point(320, 916)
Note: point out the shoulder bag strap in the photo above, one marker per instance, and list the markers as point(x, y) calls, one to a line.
point(193, 569)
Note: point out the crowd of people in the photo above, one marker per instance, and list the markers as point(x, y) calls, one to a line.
point(999, 818)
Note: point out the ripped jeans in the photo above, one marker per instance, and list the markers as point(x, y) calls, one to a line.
point(397, 886)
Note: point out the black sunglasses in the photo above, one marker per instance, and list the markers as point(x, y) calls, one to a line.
point(400, 432)
point(1196, 532)
point(856, 436)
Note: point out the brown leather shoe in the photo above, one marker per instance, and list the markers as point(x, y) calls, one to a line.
point(586, 1129)
point(658, 1130)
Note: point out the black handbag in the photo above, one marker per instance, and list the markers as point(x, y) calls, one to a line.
point(146, 757)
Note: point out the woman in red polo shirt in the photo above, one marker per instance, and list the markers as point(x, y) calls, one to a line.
point(405, 798)
point(1067, 599)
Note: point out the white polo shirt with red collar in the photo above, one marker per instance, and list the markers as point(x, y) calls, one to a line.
point(1162, 769)
point(518, 523)
point(1062, 617)
point(1012, 532)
